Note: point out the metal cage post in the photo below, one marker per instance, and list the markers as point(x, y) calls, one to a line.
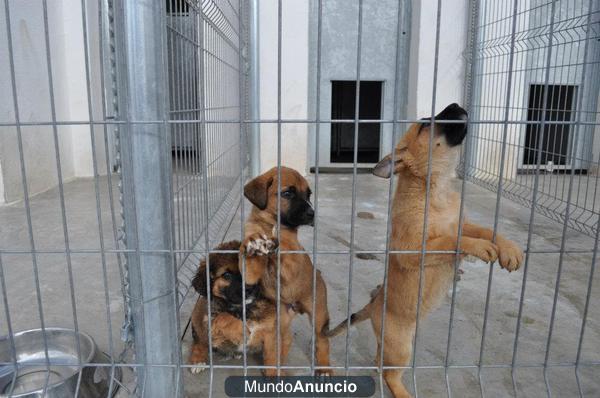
point(146, 173)
point(253, 97)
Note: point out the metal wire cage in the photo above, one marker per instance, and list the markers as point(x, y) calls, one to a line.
point(129, 129)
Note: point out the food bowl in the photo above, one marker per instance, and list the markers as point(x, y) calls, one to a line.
point(62, 372)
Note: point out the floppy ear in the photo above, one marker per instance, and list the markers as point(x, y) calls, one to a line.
point(256, 191)
point(388, 166)
point(384, 168)
point(199, 281)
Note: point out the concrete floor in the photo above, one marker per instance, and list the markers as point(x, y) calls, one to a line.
point(553, 195)
point(334, 234)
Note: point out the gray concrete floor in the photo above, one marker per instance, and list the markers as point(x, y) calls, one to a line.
point(465, 348)
point(553, 195)
point(334, 234)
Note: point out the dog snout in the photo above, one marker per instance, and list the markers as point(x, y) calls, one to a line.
point(454, 132)
point(452, 112)
point(310, 215)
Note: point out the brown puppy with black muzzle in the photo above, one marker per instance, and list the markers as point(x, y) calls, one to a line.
point(227, 314)
point(410, 163)
point(260, 245)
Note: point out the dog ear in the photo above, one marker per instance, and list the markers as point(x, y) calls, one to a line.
point(199, 281)
point(384, 168)
point(256, 191)
point(388, 166)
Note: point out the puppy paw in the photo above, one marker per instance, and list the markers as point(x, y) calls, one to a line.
point(323, 372)
point(259, 245)
point(510, 255)
point(198, 369)
point(273, 372)
point(482, 249)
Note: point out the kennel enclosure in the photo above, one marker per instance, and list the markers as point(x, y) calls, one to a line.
point(128, 130)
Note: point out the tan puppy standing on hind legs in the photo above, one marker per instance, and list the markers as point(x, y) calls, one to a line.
point(260, 243)
point(411, 163)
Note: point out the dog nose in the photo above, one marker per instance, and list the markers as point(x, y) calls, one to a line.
point(310, 213)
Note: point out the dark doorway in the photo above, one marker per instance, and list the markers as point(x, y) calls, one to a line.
point(343, 104)
point(560, 108)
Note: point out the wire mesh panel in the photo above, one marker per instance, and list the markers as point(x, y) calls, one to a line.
point(61, 274)
point(87, 99)
point(206, 66)
point(124, 155)
point(534, 97)
point(538, 62)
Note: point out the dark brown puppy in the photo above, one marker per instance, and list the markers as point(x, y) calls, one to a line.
point(411, 165)
point(226, 314)
point(296, 268)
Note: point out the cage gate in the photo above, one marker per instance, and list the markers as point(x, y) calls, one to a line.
point(128, 131)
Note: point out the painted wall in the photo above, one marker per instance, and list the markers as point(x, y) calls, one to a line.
point(34, 96)
point(339, 61)
point(378, 59)
point(294, 82)
point(451, 56)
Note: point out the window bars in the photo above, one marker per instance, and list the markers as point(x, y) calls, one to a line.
point(170, 117)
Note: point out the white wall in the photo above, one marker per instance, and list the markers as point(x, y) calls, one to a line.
point(492, 78)
point(296, 74)
point(339, 46)
point(33, 92)
point(294, 82)
point(451, 56)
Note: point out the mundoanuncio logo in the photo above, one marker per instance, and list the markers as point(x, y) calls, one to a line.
point(300, 386)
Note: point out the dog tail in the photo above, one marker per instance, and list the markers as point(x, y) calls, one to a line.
point(357, 317)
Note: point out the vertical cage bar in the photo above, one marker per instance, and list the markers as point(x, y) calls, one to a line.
point(573, 150)
point(466, 159)
point(354, 172)
point(499, 186)
point(427, 196)
point(535, 190)
point(202, 101)
point(243, 96)
point(63, 211)
point(26, 202)
point(146, 174)
point(279, 42)
point(316, 186)
point(401, 64)
point(254, 81)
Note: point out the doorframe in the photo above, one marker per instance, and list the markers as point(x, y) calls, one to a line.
point(326, 140)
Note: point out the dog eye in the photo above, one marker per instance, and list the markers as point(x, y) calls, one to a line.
point(226, 275)
point(287, 194)
point(438, 144)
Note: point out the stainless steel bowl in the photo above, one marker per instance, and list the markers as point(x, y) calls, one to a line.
point(62, 374)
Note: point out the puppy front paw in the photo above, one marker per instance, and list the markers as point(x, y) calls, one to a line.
point(259, 245)
point(273, 372)
point(198, 357)
point(323, 372)
point(199, 368)
point(482, 249)
point(510, 255)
